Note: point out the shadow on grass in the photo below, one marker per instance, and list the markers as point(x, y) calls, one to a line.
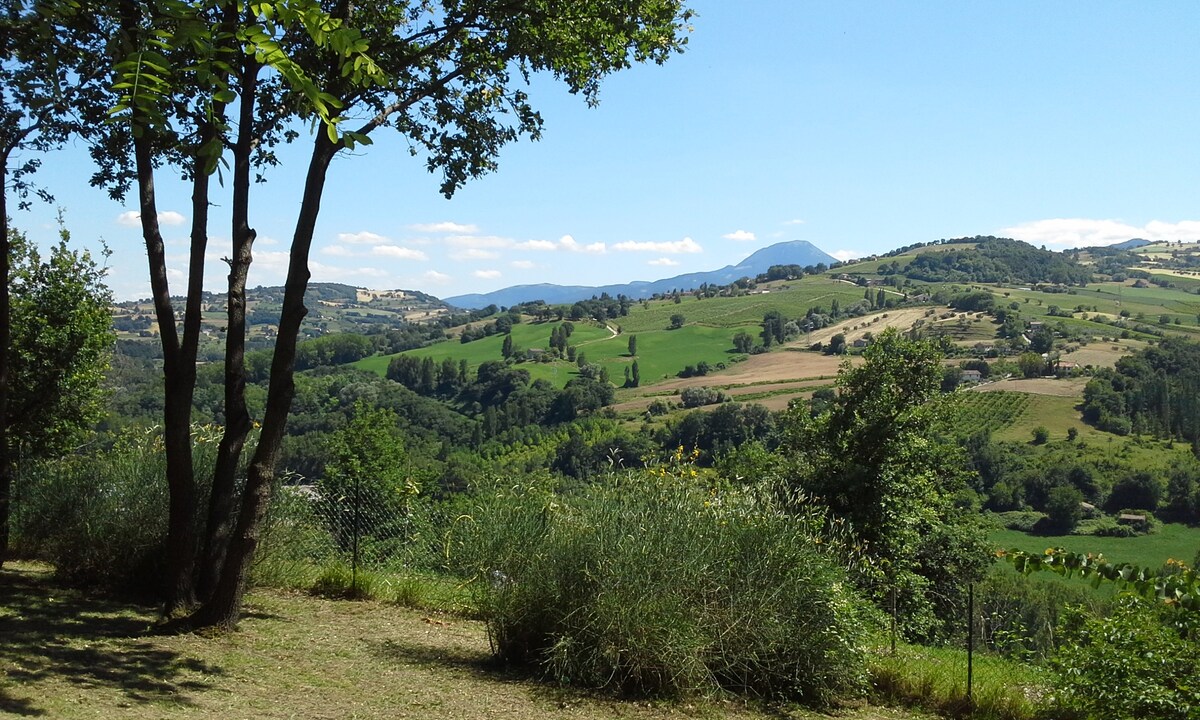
point(432, 655)
point(55, 633)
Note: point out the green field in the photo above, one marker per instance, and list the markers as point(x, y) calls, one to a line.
point(1171, 541)
point(736, 312)
point(661, 353)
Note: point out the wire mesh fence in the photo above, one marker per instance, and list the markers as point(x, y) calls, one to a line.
point(314, 530)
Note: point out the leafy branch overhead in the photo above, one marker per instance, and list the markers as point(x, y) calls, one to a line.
point(1174, 584)
point(201, 83)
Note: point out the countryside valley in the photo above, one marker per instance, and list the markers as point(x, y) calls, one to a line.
point(872, 434)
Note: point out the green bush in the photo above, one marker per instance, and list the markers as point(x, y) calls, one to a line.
point(651, 584)
point(1020, 615)
point(1134, 664)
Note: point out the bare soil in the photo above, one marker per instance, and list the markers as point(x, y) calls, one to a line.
point(1064, 387)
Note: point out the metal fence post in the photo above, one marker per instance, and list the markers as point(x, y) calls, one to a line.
point(354, 552)
point(970, 643)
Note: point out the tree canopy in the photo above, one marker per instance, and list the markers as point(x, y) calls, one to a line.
point(201, 83)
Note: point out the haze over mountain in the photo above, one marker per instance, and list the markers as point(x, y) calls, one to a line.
point(795, 252)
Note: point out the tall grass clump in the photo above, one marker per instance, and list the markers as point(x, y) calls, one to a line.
point(100, 517)
point(651, 584)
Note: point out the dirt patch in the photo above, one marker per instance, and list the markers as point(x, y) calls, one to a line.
point(1065, 387)
point(855, 328)
point(1098, 354)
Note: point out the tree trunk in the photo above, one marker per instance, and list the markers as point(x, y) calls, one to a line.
point(6, 459)
point(179, 378)
point(224, 607)
point(223, 501)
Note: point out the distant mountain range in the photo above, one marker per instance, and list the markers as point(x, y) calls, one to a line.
point(796, 252)
point(1131, 244)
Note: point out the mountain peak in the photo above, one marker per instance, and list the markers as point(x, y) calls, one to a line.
point(792, 252)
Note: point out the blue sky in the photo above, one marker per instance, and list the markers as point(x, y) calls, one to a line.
point(858, 126)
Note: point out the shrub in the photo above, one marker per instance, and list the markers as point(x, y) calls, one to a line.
point(693, 397)
point(1131, 665)
point(651, 584)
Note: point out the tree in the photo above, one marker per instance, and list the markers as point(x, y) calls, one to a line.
point(743, 342)
point(1063, 506)
point(633, 346)
point(636, 376)
point(62, 339)
point(368, 477)
point(506, 348)
point(876, 456)
point(48, 88)
point(677, 321)
point(837, 345)
point(442, 73)
point(1031, 364)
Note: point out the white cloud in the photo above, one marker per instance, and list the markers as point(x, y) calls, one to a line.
point(474, 254)
point(487, 274)
point(445, 227)
point(132, 218)
point(796, 221)
point(686, 245)
point(396, 251)
point(663, 261)
point(265, 240)
point(331, 273)
point(536, 245)
point(844, 255)
point(740, 236)
point(566, 242)
point(479, 241)
point(337, 251)
point(362, 238)
point(435, 277)
point(1083, 232)
point(523, 264)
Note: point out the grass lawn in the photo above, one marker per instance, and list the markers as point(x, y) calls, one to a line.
point(1172, 540)
point(69, 654)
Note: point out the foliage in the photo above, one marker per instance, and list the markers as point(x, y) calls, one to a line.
point(1020, 615)
point(653, 584)
point(935, 678)
point(100, 516)
point(999, 260)
point(1063, 507)
point(1129, 665)
point(692, 397)
point(1174, 584)
point(368, 482)
point(875, 457)
point(1152, 391)
point(62, 342)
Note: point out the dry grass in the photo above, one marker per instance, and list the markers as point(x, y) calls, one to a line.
point(67, 654)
